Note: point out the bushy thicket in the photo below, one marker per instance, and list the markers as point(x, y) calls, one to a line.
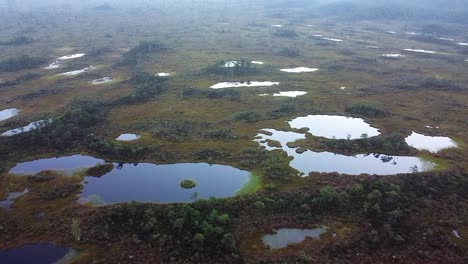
point(367, 110)
point(140, 52)
point(20, 63)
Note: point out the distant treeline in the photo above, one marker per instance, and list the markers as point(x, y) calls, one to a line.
point(20, 63)
point(21, 40)
point(136, 54)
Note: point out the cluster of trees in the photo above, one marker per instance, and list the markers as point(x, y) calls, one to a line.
point(232, 68)
point(20, 63)
point(286, 33)
point(173, 130)
point(65, 130)
point(283, 109)
point(186, 231)
point(276, 168)
point(367, 110)
point(230, 94)
point(291, 52)
point(24, 78)
point(147, 86)
point(389, 144)
point(219, 134)
point(115, 150)
point(15, 41)
point(138, 53)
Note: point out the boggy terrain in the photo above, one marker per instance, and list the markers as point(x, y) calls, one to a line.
point(186, 133)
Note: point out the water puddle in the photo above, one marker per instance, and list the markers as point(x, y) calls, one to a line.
point(27, 128)
point(421, 51)
point(290, 94)
point(127, 137)
point(338, 127)
point(242, 84)
point(102, 80)
point(278, 26)
point(35, 253)
point(6, 204)
point(73, 56)
point(393, 55)
point(413, 33)
point(333, 39)
point(300, 69)
point(448, 39)
point(432, 144)
point(391, 32)
point(78, 72)
point(67, 164)
point(257, 62)
point(54, 65)
point(290, 236)
point(148, 182)
point(8, 113)
point(162, 74)
point(456, 234)
point(462, 44)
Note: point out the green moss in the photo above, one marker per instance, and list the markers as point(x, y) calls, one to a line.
point(187, 184)
point(251, 186)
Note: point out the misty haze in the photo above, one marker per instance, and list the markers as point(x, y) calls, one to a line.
point(222, 131)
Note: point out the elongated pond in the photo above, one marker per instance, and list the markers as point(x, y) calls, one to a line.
point(290, 236)
point(63, 164)
point(148, 182)
point(27, 128)
point(8, 113)
point(35, 253)
point(310, 161)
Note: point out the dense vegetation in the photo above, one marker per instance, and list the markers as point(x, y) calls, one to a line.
point(20, 63)
point(367, 110)
point(140, 52)
point(147, 86)
point(15, 41)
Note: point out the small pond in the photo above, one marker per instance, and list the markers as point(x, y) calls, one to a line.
point(333, 39)
point(420, 51)
point(77, 72)
point(34, 253)
point(102, 80)
point(127, 137)
point(66, 164)
point(73, 56)
point(290, 236)
point(29, 127)
point(432, 144)
point(6, 204)
point(393, 55)
point(299, 70)
point(290, 94)
point(339, 127)
point(162, 74)
point(147, 182)
point(8, 113)
point(242, 84)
